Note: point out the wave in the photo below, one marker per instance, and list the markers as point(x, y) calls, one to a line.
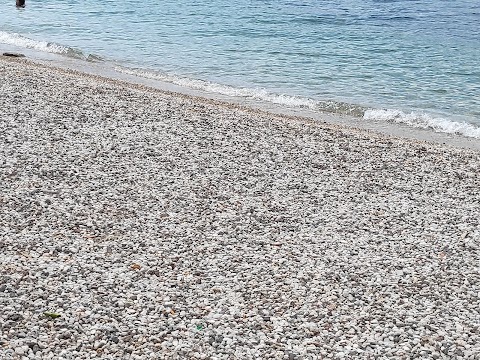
point(413, 119)
point(22, 41)
point(248, 93)
point(203, 85)
point(424, 121)
point(44, 46)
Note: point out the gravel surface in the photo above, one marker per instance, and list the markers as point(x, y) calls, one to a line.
point(161, 226)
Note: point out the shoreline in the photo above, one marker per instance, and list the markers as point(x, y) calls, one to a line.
point(106, 70)
point(162, 225)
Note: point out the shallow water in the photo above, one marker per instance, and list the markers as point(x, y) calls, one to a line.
point(396, 61)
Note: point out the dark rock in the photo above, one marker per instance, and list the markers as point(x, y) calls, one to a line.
point(15, 317)
point(114, 339)
point(219, 338)
point(18, 55)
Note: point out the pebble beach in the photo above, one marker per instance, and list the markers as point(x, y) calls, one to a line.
point(143, 224)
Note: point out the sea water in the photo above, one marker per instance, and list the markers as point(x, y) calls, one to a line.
point(406, 61)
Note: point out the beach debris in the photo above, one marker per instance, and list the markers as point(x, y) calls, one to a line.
point(135, 266)
point(51, 315)
point(10, 54)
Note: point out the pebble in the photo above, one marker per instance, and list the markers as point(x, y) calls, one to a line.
point(254, 235)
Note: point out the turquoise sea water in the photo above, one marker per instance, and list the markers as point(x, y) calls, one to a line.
point(414, 62)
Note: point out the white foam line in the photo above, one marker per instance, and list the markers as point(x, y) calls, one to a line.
point(424, 121)
point(22, 41)
point(257, 94)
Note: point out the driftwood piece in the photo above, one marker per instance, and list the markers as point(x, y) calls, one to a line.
point(18, 55)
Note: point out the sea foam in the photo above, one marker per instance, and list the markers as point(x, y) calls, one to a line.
point(208, 86)
point(424, 121)
point(22, 41)
point(414, 119)
point(44, 46)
